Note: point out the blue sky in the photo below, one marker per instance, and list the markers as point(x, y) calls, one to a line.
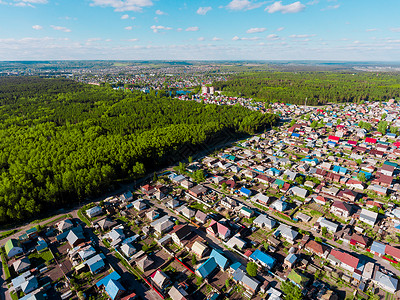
point(200, 30)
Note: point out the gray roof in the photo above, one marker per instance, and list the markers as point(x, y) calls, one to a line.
point(386, 281)
point(263, 220)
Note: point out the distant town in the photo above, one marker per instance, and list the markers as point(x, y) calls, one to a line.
point(307, 210)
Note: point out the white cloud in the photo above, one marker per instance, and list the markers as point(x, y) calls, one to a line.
point(331, 7)
point(203, 10)
point(273, 37)
point(124, 17)
point(193, 28)
point(277, 6)
point(280, 29)
point(157, 28)
point(371, 29)
point(179, 29)
point(243, 5)
point(133, 40)
point(60, 28)
point(236, 38)
point(33, 1)
point(313, 2)
point(123, 5)
point(301, 36)
point(397, 29)
point(216, 39)
point(37, 27)
point(256, 30)
point(201, 39)
point(160, 13)
point(128, 28)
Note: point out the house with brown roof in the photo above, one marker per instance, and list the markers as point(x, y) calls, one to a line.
point(317, 248)
point(341, 209)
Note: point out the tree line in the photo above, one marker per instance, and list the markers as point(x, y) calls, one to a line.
point(317, 87)
point(61, 142)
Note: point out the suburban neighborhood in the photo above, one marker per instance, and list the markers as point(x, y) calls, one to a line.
point(309, 208)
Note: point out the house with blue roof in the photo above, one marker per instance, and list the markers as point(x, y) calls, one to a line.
point(103, 282)
point(96, 264)
point(263, 259)
point(207, 268)
point(245, 192)
point(378, 248)
point(114, 289)
point(340, 170)
point(220, 259)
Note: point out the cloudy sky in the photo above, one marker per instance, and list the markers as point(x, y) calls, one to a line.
point(200, 30)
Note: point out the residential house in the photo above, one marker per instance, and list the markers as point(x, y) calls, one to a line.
point(318, 249)
point(94, 211)
point(160, 279)
point(368, 217)
point(246, 212)
point(237, 242)
point(139, 205)
point(144, 263)
point(178, 293)
point(65, 225)
point(162, 225)
point(21, 265)
point(279, 205)
point(343, 259)
point(220, 259)
point(263, 259)
point(341, 209)
point(75, 237)
point(264, 221)
point(199, 249)
point(114, 289)
point(13, 247)
point(128, 250)
point(201, 217)
point(386, 282)
point(180, 232)
point(285, 231)
point(217, 229)
point(198, 191)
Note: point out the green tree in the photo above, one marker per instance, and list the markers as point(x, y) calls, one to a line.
point(155, 177)
point(292, 122)
point(393, 129)
point(300, 179)
point(361, 177)
point(324, 231)
point(291, 291)
point(227, 284)
point(190, 159)
point(252, 268)
point(194, 260)
point(382, 127)
point(314, 124)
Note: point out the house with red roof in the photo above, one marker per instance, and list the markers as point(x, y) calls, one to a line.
point(370, 140)
point(217, 229)
point(344, 260)
point(359, 240)
point(393, 252)
point(334, 138)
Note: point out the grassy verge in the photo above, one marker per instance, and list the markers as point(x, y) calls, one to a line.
point(8, 233)
point(82, 217)
point(6, 270)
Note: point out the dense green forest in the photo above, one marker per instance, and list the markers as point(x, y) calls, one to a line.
point(317, 87)
point(61, 141)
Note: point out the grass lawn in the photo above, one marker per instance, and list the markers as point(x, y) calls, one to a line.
point(37, 259)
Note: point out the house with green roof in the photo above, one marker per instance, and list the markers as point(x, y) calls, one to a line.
point(13, 247)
